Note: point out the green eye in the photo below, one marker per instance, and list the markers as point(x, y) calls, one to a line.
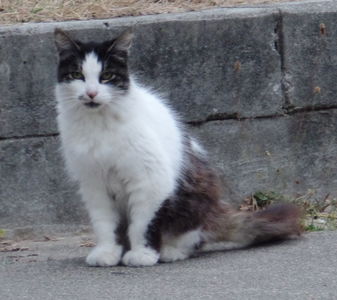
point(76, 75)
point(107, 76)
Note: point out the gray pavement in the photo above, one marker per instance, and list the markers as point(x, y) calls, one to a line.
point(302, 269)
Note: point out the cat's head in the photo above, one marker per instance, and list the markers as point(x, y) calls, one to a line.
point(92, 74)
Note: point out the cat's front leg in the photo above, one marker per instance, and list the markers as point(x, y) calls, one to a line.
point(104, 218)
point(142, 210)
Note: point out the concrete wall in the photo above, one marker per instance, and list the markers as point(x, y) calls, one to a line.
point(257, 85)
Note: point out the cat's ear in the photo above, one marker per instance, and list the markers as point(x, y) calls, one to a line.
point(122, 42)
point(64, 42)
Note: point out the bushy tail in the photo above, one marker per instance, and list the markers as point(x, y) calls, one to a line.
point(241, 229)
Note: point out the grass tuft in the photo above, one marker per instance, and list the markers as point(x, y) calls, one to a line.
point(318, 213)
point(2, 233)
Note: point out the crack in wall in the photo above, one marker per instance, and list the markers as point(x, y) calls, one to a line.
point(286, 84)
point(236, 116)
point(214, 117)
point(307, 109)
point(29, 136)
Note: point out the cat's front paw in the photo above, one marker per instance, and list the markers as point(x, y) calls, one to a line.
point(104, 256)
point(141, 257)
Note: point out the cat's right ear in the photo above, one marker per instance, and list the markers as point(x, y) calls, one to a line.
point(64, 42)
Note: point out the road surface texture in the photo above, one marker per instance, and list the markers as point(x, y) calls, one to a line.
point(55, 269)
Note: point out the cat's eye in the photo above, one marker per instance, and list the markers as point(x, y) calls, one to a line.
point(76, 75)
point(107, 76)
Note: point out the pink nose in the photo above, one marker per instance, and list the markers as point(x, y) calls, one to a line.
point(92, 94)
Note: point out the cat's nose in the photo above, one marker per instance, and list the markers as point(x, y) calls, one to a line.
point(92, 94)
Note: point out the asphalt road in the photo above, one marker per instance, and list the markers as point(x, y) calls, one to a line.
point(302, 269)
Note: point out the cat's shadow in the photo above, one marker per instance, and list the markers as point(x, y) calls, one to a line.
point(267, 244)
point(122, 270)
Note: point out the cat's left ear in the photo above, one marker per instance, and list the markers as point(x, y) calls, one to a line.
point(122, 42)
point(64, 42)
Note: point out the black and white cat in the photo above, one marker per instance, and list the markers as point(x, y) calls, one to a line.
point(149, 190)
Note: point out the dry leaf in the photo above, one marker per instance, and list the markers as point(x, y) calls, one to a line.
point(87, 244)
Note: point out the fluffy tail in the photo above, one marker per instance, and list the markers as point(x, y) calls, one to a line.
point(230, 229)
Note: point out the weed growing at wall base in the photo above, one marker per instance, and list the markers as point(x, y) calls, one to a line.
point(318, 213)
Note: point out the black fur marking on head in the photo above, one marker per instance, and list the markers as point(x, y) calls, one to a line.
point(112, 54)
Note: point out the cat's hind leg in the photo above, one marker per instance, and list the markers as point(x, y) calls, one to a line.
point(179, 247)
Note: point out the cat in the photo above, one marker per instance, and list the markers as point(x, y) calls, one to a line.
point(147, 184)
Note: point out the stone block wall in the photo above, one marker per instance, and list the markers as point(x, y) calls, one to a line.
point(256, 85)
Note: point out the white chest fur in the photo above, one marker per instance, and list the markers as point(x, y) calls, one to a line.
point(135, 143)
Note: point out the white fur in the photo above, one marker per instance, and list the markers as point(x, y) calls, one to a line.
point(104, 256)
point(221, 246)
point(91, 70)
point(142, 256)
point(180, 247)
point(128, 149)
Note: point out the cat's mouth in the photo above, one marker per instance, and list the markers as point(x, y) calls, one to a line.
point(92, 104)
